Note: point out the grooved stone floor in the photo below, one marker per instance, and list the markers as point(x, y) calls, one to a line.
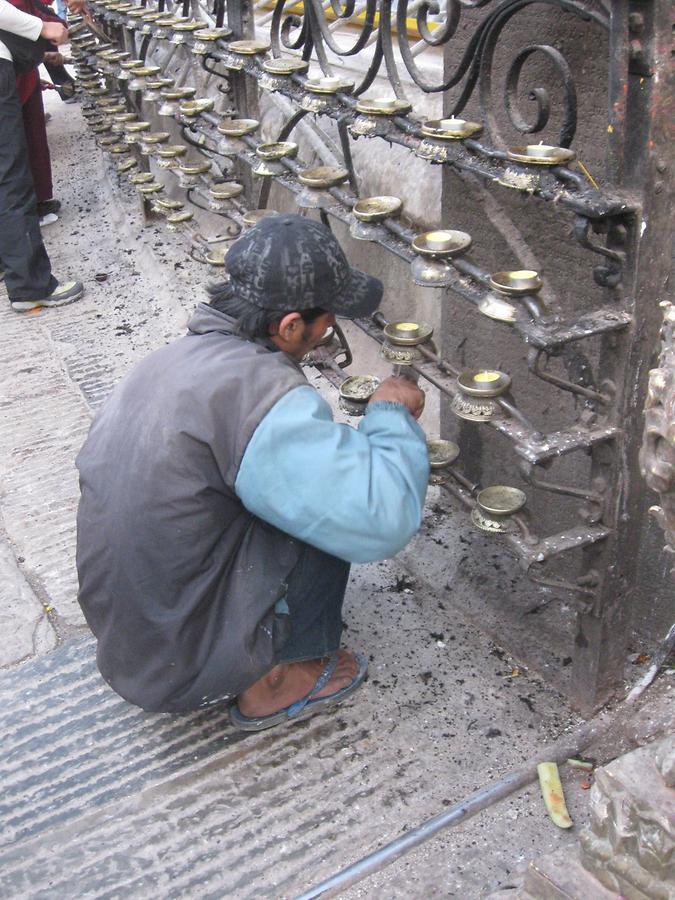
point(99, 799)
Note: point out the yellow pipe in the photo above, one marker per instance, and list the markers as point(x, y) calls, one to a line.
point(298, 9)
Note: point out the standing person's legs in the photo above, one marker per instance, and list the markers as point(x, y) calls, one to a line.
point(22, 253)
point(39, 159)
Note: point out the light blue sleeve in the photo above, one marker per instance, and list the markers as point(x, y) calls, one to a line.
point(357, 494)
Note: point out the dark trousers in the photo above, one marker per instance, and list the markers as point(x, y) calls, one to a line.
point(23, 258)
point(316, 589)
point(39, 161)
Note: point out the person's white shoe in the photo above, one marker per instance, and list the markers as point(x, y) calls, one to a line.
point(64, 293)
point(48, 219)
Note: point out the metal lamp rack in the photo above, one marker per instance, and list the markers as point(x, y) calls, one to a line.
point(138, 31)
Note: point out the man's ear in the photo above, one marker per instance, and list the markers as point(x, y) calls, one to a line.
point(287, 328)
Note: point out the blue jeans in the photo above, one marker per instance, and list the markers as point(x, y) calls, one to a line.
point(316, 590)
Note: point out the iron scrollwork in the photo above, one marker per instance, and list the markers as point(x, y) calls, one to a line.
point(308, 31)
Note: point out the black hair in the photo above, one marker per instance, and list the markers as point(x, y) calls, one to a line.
point(252, 321)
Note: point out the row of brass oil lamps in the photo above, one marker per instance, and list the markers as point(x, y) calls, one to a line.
point(317, 93)
point(118, 131)
point(496, 505)
point(118, 127)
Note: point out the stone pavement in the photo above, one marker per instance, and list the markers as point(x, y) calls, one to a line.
point(100, 799)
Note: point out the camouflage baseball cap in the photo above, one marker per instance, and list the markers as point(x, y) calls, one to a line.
point(288, 262)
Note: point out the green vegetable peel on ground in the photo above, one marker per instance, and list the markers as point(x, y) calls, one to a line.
point(552, 792)
point(577, 762)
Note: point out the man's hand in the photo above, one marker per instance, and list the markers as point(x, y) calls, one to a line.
point(403, 391)
point(54, 32)
point(76, 7)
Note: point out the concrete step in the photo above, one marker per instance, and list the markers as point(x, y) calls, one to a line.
point(562, 877)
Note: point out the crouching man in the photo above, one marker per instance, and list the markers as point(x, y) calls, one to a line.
point(221, 506)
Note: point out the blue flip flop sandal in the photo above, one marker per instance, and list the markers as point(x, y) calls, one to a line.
point(305, 706)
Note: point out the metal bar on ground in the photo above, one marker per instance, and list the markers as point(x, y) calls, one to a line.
point(460, 812)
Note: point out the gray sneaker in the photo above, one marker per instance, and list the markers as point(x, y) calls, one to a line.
point(67, 292)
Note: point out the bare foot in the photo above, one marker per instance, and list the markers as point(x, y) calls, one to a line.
point(289, 682)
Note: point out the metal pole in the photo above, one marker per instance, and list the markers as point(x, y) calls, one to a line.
point(460, 812)
point(244, 91)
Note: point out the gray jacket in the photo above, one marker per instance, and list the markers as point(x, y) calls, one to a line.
point(178, 581)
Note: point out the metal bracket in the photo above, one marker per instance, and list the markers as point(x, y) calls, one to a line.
point(534, 364)
point(608, 275)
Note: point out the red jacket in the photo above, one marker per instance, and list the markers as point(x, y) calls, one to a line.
point(28, 82)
